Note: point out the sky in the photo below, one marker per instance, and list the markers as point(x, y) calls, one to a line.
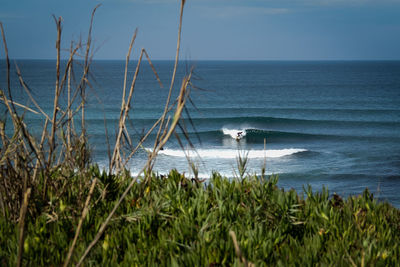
point(212, 29)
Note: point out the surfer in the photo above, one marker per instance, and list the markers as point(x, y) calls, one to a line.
point(239, 136)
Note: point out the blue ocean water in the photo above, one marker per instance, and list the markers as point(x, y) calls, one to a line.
point(325, 123)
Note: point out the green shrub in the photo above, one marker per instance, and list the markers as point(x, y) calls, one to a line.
point(176, 220)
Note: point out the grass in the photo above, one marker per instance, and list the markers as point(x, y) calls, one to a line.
point(175, 220)
point(58, 209)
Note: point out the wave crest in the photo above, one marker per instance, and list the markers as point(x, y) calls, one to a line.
point(231, 153)
point(234, 132)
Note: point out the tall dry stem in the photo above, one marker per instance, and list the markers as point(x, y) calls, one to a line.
point(116, 158)
point(86, 68)
point(57, 91)
point(161, 126)
point(21, 227)
point(78, 229)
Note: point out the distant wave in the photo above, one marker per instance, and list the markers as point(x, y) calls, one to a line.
point(261, 110)
point(231, 153)
point(262, 120)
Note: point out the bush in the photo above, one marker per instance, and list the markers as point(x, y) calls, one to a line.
point(176, 220)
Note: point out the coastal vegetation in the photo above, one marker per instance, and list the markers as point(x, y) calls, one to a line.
point(175, 220)
point(59, 208)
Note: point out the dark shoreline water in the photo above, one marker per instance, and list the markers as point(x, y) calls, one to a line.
point(326, 123)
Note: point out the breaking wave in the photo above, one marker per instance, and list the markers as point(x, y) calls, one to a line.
point(231, 153)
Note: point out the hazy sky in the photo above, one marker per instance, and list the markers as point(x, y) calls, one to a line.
point(213, 29)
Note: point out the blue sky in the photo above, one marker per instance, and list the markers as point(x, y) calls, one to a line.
point(213, 29)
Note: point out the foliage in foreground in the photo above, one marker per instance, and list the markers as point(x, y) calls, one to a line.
point(176, 220)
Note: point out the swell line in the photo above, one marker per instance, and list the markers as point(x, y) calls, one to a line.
point(232, 153)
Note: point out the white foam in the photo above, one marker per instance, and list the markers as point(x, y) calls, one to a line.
point(231, 153)
point(234, 132)
point(201, 175)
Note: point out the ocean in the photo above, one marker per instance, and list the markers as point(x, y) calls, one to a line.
point(325, 123)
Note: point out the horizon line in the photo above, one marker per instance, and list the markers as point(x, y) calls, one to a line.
point(195, 60)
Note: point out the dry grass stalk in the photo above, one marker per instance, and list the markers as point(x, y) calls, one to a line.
point(238, 251)
point(86, 68)
point(69, 112)
point(116, 152)
point(126, 71)
point(21, 227)
point(17, 152)
point(55, 123)
point(25, 86)
point(264, 166)
point(161, 126)
point(7, 59)
point(116, 158)
point(5, 100)
point(57, 90)
point(117, 162)
point(140, 143)
point(22, 106)
point(41, 152)
point(153, 68)
point(3, 208)
point(78, 229)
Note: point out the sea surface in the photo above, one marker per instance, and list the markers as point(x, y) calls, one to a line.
point(323, 123)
